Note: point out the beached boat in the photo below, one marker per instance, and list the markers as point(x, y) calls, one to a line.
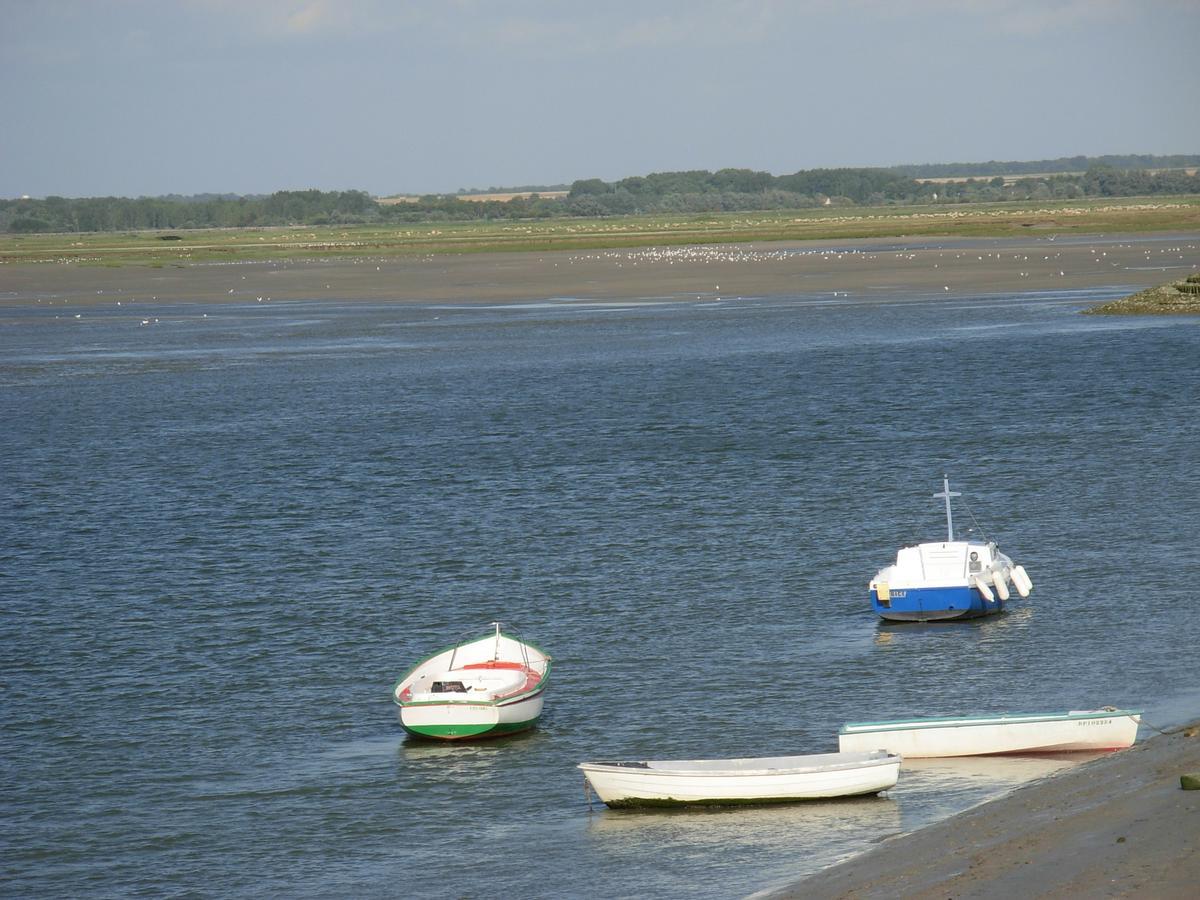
point(772, 779)
point(485, 687)
point(948, 579)
point(1093, 729)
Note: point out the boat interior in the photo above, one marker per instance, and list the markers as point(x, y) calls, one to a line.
point(491, 680)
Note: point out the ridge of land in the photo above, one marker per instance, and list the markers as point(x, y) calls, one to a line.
point(180, 247)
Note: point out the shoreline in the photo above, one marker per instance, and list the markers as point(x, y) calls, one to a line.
point(1117, 826)
point(1175, 298)
point(872, 270)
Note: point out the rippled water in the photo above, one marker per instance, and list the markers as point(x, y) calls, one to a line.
point(224, 533)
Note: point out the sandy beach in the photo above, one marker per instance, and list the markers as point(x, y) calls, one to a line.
point(1117, 826)
point(875, 269)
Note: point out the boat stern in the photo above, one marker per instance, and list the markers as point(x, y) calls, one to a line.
point(931, 604)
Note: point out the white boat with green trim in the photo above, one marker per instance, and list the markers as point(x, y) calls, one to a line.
point(771, 779)
point(1079, 730)
point(479, 688)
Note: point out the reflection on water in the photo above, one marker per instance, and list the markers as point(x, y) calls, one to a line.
point(777, 843)
point(953, 783)
point(1001, 771)
point(930, 789)
point(463, 757)
point(1017, 614)
point(725, 824)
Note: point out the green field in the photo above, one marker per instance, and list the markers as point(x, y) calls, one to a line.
point(1125, 215)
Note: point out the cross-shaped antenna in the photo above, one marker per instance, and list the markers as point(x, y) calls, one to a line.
point(946, 494)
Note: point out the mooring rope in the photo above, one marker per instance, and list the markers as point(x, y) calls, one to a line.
point(1141, 720)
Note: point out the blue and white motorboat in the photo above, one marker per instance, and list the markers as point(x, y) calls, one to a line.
point(948, 579)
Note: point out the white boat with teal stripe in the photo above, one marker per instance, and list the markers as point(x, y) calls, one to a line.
point(1066, 732)
point(480, 688)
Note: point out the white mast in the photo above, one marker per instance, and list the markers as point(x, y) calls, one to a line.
point(946, 494)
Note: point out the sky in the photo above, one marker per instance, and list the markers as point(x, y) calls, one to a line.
point(151, 97)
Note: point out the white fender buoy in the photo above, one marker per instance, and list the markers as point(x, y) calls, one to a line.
point(1000, 584)
point(1021, 580)
point(981, 586)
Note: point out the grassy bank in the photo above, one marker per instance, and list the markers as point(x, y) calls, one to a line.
point(1126, 215)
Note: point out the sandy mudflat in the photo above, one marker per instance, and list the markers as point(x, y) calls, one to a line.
point(857, 269)
point(1118, 826)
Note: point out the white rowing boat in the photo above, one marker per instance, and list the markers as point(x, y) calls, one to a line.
point(486, 687)
point(1080, 730)
point(772, 779)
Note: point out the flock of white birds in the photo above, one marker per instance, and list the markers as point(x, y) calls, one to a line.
point(1037, 265)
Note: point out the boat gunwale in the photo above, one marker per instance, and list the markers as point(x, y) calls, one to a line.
point(539, 686)
point(999, 719)
point(870, 760)
point(496, 701)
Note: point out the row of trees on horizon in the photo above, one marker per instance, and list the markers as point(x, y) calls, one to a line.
point(699, 191)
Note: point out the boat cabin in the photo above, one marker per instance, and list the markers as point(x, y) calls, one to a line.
point(949, 562)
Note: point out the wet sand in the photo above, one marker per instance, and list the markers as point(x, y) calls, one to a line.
point(857, 269)
point(1117, 826)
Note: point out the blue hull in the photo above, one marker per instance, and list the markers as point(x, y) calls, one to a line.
point(935, 604)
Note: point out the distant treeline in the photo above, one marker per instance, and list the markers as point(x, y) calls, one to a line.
point(204, 211)
point(728, 190)
point(517, 189)
point(1046, 166)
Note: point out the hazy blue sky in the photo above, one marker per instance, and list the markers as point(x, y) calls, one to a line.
point(134, 97)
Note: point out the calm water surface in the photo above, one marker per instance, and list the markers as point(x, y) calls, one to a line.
point(224, 533)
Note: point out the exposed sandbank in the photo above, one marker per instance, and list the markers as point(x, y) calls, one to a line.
point(874, 268)
point(1117, 826)
point(1175, 298)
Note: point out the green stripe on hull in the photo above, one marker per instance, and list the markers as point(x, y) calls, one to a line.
point(462, 732)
